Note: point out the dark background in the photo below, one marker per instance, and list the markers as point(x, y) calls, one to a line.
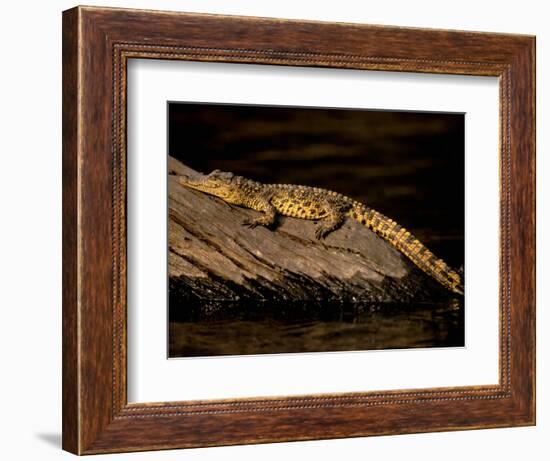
point(407, 165)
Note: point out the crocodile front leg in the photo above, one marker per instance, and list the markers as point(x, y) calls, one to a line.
point(268, 218)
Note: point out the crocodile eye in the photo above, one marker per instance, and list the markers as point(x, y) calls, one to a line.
point(225, 175)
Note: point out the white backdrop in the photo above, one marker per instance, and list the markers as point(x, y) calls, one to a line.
point(30, 236)
point(152, 378)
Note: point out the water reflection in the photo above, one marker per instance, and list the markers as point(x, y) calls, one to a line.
point(314, 327)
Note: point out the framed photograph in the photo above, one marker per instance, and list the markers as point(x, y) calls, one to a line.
point(281, 230)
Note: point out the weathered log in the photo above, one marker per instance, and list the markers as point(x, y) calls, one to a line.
point(214, 259)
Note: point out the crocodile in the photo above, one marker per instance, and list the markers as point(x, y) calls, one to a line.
point(328, 207)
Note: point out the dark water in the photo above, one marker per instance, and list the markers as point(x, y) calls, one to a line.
point(270, 329)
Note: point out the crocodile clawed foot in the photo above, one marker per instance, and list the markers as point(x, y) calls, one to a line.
point(320, 233)
point(250, 223)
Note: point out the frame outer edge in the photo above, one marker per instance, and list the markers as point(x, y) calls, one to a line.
point(524, 214)
point(533, 55)
point(90, 420)
point(70, 177)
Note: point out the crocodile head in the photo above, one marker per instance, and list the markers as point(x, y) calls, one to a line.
point(218, 183)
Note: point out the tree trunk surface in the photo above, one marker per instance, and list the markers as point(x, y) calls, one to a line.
point(214, 261)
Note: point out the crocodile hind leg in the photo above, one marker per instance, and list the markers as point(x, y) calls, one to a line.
point(335, 217)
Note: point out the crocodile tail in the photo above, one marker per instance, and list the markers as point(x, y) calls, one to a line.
point(409, 245)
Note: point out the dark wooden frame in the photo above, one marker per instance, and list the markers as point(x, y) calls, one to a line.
point(97, 43)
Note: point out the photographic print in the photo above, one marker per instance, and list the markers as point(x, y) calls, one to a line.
point(305, 229)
